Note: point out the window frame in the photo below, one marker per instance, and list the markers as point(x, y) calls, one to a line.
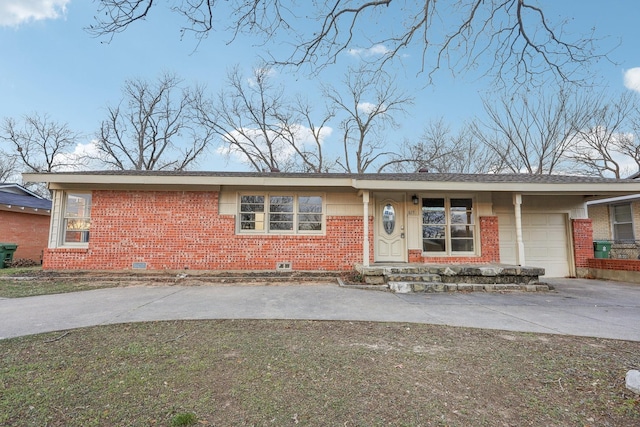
point(65, 217)
point(615, 223)
point(267, 214)
point(448, 238)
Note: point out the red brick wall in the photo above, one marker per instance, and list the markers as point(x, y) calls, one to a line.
point(29, 231)
point(489, 247)
point(177, 230)
point(582, 241)
point(614, 264)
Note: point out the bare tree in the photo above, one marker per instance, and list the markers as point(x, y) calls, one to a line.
point(607, 145)
point(8, 169)
point(367, 101)
point(534, 133)
point(40, 144)
point(442, 150)
point(518, 36)
point(153, 128)
point(309, 151)
point(258, 124)
point(8, 163)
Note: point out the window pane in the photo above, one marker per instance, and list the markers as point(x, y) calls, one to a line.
point(310, 204)
point(461, 204)
point(462, 245)
point(433, 245)
point(310, 222)
point(76, 236)
point(623, 232)
point(310, 226)
point(433, 203)
point(622, 213)
point(281, 222)
point(252, 204)
point(78, 206)
point(281, 204)
point(461, 217)
point(433, 211)
point(461, 231)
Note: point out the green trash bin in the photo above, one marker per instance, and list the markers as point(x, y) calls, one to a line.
point(6, 253)
point(601, 249)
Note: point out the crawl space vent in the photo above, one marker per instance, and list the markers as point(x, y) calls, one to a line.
point(283, 266)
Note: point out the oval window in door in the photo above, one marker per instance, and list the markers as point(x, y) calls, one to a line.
point(388, 218)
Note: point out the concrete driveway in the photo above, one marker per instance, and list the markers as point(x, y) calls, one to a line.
point(576, 307)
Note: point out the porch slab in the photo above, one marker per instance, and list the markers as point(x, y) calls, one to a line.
point(404, 278)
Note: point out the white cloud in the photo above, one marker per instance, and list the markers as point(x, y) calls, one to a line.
point(261, 73)
point(375, 50)
point(83, 157)
point(367, 107)
point(16, 12)
point(253, 140)
point(632, 79)
point(626, 163)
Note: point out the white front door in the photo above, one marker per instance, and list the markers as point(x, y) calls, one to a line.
point(390, 230)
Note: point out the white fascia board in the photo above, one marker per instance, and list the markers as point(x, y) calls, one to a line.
point(87, 180)
point(173, 182)
point(611, 189)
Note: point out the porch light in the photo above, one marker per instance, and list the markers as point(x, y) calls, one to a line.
point(415, 199)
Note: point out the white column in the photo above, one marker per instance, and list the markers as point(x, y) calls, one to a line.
point(365, 242)
point(517, 203)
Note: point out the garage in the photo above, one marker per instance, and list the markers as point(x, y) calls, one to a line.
point(545, 237)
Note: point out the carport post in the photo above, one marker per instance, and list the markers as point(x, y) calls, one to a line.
point(517, 203)
point(365, 241)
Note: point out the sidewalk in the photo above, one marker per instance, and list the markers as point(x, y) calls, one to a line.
point(577, 307)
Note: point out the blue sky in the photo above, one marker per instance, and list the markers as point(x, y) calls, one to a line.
point(52, 66)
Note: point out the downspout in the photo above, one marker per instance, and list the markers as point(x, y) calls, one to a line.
point(365, 242)
point(517, 203)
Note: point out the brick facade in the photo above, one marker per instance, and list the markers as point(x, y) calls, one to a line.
point(582, 241)
point(178, 230)
point(28, 231)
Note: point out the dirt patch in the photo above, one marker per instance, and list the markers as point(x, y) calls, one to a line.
point(287, 373)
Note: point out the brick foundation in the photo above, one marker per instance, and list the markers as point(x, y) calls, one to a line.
point(177, 230)
point(614, 264)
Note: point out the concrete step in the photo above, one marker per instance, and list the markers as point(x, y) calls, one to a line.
point(404, 287)
point(413, 277)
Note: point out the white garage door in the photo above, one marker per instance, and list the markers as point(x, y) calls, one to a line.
point(545, 241)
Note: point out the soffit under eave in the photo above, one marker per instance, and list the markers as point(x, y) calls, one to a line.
point(25, 210)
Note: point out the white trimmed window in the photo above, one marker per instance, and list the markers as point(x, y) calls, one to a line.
point(448, 226)
point(622, 222)
point(77, 218)
point(281, 213)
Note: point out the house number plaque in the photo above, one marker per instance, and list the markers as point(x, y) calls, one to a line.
point(388, 218)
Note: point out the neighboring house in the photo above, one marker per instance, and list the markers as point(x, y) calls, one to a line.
point(617, 220)
point(24, 220)
point(267, 221)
